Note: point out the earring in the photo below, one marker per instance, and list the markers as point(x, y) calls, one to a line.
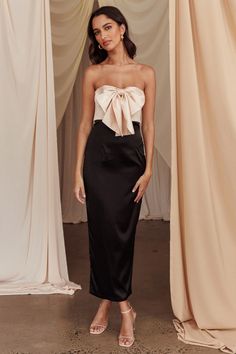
point(122, 37)
point(99, 46)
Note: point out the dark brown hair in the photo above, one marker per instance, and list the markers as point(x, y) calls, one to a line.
point(97, 55)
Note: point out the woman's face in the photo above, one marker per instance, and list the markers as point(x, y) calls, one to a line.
point(107, 32)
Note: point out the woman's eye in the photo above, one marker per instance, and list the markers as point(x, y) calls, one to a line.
point(106, 28)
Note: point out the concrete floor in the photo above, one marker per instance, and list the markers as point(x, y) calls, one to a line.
point(58, 324)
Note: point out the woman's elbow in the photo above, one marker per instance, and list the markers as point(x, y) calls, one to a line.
point(148, 127)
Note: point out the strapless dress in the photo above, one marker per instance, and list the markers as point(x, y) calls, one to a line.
point(114, 159)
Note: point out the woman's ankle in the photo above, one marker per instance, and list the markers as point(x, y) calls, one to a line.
point(105, 304)
point(125, 306)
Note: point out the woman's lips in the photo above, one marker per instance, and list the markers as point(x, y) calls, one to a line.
point(106, 43)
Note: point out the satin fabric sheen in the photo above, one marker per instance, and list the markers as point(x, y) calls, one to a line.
point(112, 165)
point(119, 107)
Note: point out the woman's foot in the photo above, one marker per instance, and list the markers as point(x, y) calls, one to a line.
point(126, 336)
point(100, 321)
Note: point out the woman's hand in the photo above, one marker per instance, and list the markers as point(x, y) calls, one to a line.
point(79, 189)
point(141, 184)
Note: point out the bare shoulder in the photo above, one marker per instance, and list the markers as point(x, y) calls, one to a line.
point(91, 73)
point(149, 76)
point(91, 70)
point(148, 72)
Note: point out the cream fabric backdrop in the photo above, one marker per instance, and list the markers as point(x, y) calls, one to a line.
point(156, 202)
point(203, 222)
point(32, 248)
point(69, 20)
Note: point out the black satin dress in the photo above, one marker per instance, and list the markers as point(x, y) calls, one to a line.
point(112, 166)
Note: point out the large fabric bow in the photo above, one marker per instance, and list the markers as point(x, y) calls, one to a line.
point(119, 105)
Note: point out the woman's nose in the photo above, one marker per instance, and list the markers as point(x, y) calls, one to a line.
point(103, 35)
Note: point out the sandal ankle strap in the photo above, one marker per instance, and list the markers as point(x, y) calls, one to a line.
point(127, 310)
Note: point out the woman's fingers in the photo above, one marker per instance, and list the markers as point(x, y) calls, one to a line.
point(80, 194)
point(79, 189)
point(140, 190)
point(77, 194)
point(135, 187)
point(83, 192)
point(140, 194)
point(141, 185)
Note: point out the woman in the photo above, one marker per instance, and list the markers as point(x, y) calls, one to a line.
point(112, 171)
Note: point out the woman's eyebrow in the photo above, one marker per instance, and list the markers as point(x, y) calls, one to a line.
point(108, 23)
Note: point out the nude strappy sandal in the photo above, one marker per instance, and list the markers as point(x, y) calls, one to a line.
point(98, 328)
point(131, 339)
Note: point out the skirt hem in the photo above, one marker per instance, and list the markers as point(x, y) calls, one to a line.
point(110, 298)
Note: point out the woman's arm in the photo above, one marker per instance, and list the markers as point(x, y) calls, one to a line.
point(148, 130)
point(148, 117)
point(84, 129)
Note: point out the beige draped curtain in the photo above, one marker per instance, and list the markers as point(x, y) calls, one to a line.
point(69, 23)
point(32, 252)
point(203, 222)
point(156, 201)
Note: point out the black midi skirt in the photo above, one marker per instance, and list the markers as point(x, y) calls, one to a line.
point(112, 166)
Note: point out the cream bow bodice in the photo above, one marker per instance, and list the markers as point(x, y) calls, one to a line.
point(119, 107)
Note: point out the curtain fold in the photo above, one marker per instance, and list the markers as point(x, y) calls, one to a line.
point(32, 251)
point(72, 210)
point(203, 192)
point(69, 32)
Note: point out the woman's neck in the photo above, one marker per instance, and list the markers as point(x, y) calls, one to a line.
point(119, 57)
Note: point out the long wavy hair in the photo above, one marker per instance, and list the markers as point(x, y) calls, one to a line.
point(97, 55)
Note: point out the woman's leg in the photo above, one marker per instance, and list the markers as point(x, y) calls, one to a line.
point(100, 320)
point(128, 315)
